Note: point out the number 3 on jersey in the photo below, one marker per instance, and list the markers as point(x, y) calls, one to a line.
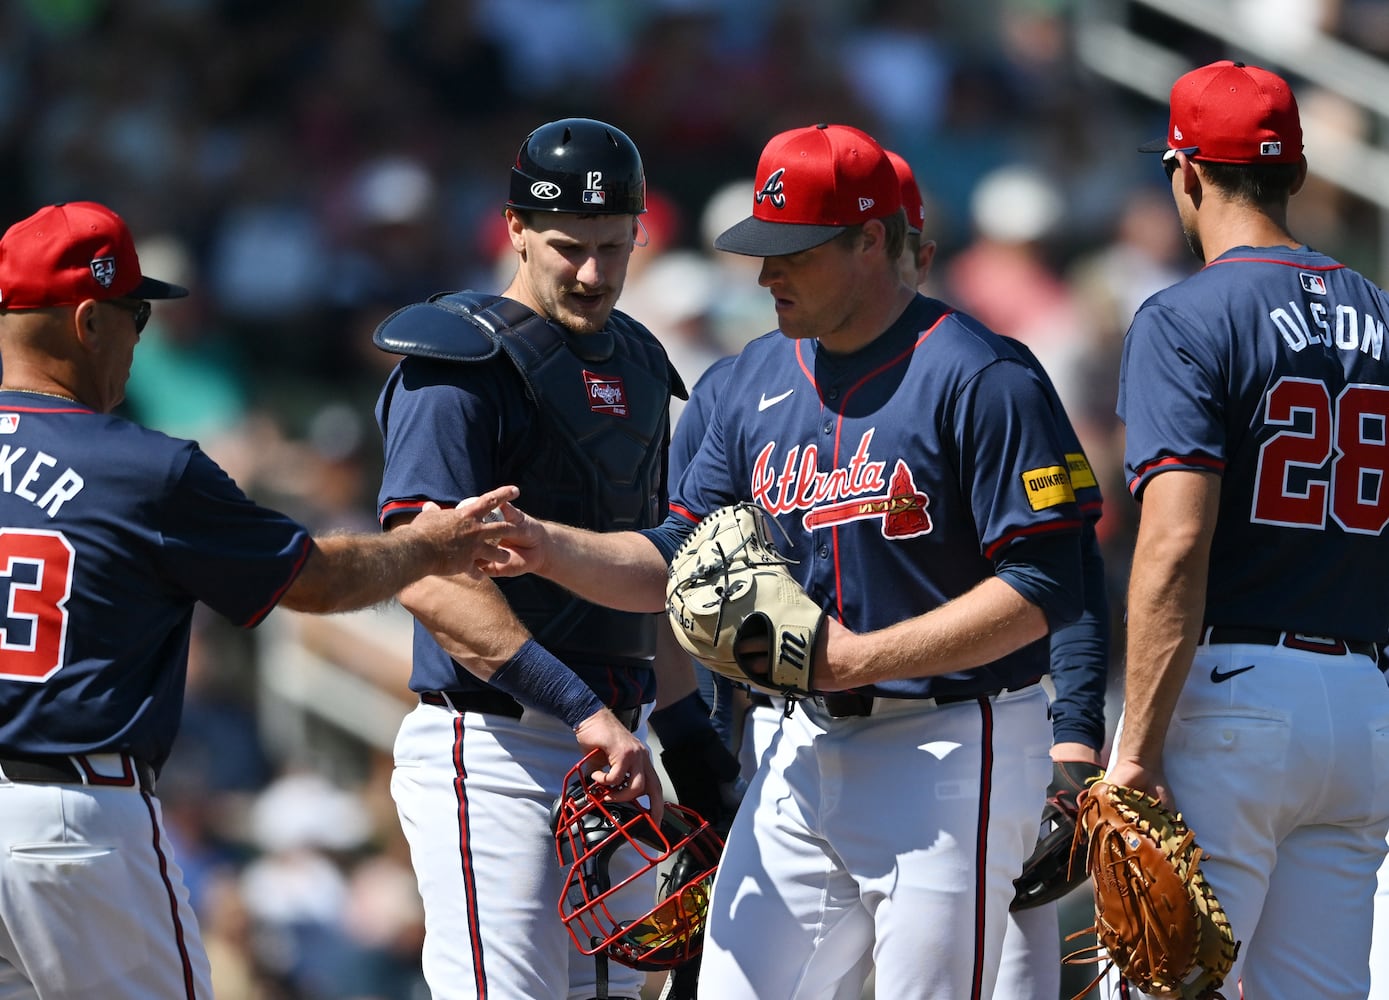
point(1352, 432)
point(35, 583)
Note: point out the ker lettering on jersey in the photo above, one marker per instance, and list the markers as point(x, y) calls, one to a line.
point(34, 478)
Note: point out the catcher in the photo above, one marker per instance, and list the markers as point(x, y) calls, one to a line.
point(1157, 920)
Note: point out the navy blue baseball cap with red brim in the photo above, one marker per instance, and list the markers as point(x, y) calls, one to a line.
point(70, 252)
point(811, 184)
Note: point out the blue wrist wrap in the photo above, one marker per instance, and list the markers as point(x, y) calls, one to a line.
point(535, 678)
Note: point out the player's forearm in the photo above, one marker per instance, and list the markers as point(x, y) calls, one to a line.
point(990, 621)
point(1166, 601)
point(469, 618)
point(620, 569)
point(347, 572)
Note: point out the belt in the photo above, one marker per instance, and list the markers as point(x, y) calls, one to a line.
point(490, 702)
point(851, 705)
point(1331, 646)
point(77, 769)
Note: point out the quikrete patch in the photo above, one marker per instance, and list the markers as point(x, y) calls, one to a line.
point(1081, 473)
point(1048, 486)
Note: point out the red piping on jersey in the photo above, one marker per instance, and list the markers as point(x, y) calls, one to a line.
point(256, 618)
point(1210, 464)
point(1070, 524)
point(396, 506)
point(839, 430)
point(981, 850)
point(189, 986)
point(466, 861)
point(684, 512)
point(1270, 260)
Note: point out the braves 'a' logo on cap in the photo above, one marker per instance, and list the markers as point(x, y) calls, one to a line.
point(773, 190)
point(104, 270)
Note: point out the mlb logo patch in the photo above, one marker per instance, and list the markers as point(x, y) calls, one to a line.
point(1273, 148)
point(1313, 283)
point(9, 423)
point(593, 197)
point(605, 395)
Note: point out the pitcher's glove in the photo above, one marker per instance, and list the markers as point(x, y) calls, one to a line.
point(1054, 869)
point(735, 608)
point(1156, 916)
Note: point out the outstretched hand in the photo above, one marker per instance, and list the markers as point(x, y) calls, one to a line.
point(519, 540)
point(461, 538)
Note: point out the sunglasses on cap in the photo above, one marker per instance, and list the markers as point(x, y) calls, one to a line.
point(139, 310)
point(1169, 158)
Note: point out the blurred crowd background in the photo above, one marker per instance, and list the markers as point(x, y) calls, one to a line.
point(307, 167)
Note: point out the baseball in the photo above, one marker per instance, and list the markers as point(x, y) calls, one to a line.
point(492, 515)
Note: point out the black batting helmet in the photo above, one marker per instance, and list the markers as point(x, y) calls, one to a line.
point(581, 166)
point(590, 828)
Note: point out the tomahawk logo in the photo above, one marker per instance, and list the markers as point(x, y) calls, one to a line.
point(773, 190)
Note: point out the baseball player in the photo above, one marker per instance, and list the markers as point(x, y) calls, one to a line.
point(1031, 965)
point(1255, 395)
point(1079, 652)
point(548, 386)
point(109, 535)
point(913, 463)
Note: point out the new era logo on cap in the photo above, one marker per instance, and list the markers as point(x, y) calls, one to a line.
point(73, 251)
point(811, 184)
point(1233, 113)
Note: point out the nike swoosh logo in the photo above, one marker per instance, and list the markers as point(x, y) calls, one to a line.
point(764, 402)
point(1217, 676)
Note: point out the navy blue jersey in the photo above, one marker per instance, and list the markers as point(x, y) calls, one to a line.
point(1268, 367)
point(693, 425)
point(112, 533)
point(899, 473)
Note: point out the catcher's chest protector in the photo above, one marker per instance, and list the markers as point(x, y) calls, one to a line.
point(594, 457)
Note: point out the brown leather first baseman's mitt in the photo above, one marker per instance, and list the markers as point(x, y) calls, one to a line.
point(734, 606)
point(1156, 917)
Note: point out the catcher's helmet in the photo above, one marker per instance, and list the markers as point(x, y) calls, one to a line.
point(589, 829)
point(581, 166)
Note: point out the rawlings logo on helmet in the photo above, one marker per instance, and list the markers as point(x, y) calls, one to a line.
point(545, 190)
point(589, 830)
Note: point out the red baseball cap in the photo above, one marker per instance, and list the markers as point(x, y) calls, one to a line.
point(911, 194)
point(1228, 112)
point(69, 252)
point(813, 183)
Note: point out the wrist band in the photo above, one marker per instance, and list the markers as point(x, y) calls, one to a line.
point(537, 679)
